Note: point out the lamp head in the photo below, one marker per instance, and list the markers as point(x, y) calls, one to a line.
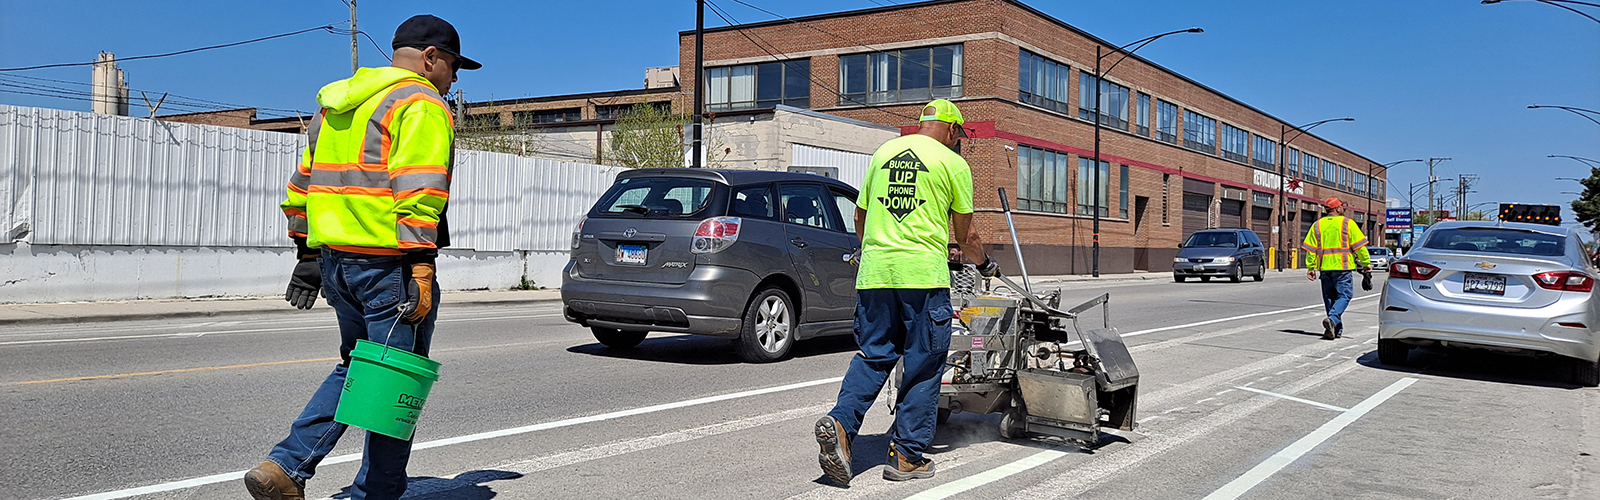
point(1195, 30)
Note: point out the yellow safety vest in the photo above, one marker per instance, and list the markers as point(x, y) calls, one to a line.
point(1335, 244)
point(375, 176)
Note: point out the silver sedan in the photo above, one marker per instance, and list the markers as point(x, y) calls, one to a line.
point(1509, 287)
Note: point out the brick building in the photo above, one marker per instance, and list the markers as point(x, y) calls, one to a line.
point(1178, 156)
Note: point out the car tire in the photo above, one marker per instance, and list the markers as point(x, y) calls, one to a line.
point(944, 415)
point(767, 332)
point(1586, 373)
point(1238, 274)
point(1012, 425)
point(1393, 352)
point(1261, 273)
point(617, 339)
point(1179, 279)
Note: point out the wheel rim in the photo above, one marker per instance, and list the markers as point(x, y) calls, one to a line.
point(772, 324)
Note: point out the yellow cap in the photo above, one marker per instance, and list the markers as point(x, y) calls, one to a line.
point(942, 110)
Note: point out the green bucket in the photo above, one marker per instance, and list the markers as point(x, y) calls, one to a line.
point(385, 388)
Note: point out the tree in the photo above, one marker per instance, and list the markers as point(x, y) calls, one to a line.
point(1587, 206)
point(648, 137)
point(1476, 215)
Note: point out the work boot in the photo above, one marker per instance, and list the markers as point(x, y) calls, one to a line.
point(835, 455)
point(268, 482)
point(900, 469)
point(1327, 329)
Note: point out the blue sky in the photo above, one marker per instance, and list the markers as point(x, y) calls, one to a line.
point(1446, 78)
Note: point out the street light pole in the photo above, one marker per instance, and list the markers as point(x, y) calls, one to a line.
point(1283, 179)
point(1557, 3)
point(1587, 114)
point(1586, 161)
point(1099, 88)
point(699, 76)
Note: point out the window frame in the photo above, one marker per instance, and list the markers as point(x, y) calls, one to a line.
point(1236, 137)
point(1054, 175)
point(1167, 130)
point(877, 89)
point(723, 101)
point(823, 209)
point(1196, 138)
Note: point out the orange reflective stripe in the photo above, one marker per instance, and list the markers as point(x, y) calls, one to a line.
point(411, 245)
point(295, 212)
point(297, 189)
point(364, 167)
point(418, 223)
point(351, 190)
point(419, 169)
point(366, 250)
point(377, 143)
point(422, 191)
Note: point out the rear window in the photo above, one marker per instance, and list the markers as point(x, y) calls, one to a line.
point(1378, 251)
point(1217, 239)
point(656, 197)
point(1496, 240)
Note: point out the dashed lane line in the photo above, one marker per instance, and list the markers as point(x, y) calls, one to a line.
point(1324, 406)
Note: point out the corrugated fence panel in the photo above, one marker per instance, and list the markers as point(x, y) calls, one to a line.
point(75, 178)
point(852, 166)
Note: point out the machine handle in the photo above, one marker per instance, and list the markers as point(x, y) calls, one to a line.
point(1004, 203)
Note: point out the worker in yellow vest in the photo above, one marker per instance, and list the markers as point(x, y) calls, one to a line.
point(366, 211)
point(1334, 248)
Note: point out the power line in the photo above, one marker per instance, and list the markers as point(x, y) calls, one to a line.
point(342, 31)
point(327, 27)
point(174, 100)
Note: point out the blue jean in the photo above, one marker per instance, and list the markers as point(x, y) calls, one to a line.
point(893, 325)
point(366, 292)
point(1336, 293)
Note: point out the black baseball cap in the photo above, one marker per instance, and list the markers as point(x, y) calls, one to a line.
point(426, 30)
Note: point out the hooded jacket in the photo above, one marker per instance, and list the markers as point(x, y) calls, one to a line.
point(375, 175)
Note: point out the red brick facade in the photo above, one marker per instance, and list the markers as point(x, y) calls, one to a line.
point(992, 34)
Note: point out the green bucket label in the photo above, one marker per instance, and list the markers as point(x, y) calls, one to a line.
point(409, 402)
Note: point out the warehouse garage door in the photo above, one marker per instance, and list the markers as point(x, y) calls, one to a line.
point(1261, 215)
point(1196, 205)
point(1232, 214)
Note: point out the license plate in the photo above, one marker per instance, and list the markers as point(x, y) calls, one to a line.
point(1485, 284)
point(1199, 268)
point(632, 254)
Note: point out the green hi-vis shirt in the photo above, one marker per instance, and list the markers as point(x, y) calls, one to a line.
point(913, 185)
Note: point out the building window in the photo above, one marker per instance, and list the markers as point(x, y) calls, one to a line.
point(617, 111)
point(1330, 174)
point(754, 86)
point(1143, 121)
point(1166, 198)
point(1347, 179)
point(1291, 157)
point(481, 121)
point(1041, 180)
point(1310, 167)
point(916, 75)
point(1113, 102)
point(1377, 189)
point(1122, 192)
point(1086, 187)
point(1042, 82)
point(1199, 132)
point(1265, 154)
point(1166, 122)
point(1360, 184)
point(1234, 143)
point(524, 118)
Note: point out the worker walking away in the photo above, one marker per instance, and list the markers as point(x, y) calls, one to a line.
point(918, 186)
point(366, 211)
point(1334, 248)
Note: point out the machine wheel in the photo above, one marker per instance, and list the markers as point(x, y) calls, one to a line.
point(1178, 278)
point(944, 415)
point(1393, 352)
point(1238, 274)
point(768, 329)
point(617, 339)
point(1011, 424)
point(1261, 273)
point(1586, 373)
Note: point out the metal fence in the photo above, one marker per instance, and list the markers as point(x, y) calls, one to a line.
point(72, 178)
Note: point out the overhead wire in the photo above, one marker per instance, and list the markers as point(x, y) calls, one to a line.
point(326, 27)
point(174, 100)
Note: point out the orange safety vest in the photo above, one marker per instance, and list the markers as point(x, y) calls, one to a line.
point(1335, 244)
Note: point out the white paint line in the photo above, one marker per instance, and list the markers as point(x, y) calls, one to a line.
point(1299, 448)
point(1284, 371)
point(1147, 419)
point(223, 332)
point(1295, 399)
point(1224, 391)
point(1302, 365)
point(952, 488)
point(1346, 348)
point(1204, 400)
point(1180, 408)
point(1263, 379)
point(232, 476)
point(1224, 320)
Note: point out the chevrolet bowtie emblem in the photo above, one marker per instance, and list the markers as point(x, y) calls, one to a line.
point(1485, 265)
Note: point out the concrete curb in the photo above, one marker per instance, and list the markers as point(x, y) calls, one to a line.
point(274, 309)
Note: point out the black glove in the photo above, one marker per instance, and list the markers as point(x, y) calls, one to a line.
point(989, 268)
point(1366, 279)
point(419, 287)
point(306, 282)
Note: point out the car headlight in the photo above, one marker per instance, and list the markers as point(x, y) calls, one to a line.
point(1179, 259)
point(1222, 260)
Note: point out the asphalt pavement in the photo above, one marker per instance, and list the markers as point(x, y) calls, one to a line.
point(1239, 398)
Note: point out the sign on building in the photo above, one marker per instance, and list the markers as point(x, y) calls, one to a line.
point(1398, 218)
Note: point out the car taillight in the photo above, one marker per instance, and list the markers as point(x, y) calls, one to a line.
point(1570, 281)
point(715, 235)
point(1411, 270)
point(577, 233)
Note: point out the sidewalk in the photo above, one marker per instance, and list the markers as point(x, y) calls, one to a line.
point(88, 312)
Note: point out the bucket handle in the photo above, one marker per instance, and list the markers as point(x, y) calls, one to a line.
point(386, 336)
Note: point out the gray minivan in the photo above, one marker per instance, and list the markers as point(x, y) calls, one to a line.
point(1217, 253)
point(754, 256)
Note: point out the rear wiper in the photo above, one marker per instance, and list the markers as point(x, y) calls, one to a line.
point(638, 209)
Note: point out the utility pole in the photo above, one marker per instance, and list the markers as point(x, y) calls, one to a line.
point(1431, 179)
point(355, 56)
point(699, 75)
point(1466, 181)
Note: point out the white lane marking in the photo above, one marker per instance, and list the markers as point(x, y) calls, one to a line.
point(1180, 408)
point(1294, 451)
point(1234, 318)
point(1147, 419)
point(543, 463)
point(1083, 476)
point(1224, 391)
point(232, 476)
point(224, 332)
point(1297, 400)
point(1203, 400)
point(1284, 371)
point(949, 489)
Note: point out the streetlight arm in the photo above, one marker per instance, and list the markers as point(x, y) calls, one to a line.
point(1577, 111)
point(1141, 43)
point(1307, 127)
